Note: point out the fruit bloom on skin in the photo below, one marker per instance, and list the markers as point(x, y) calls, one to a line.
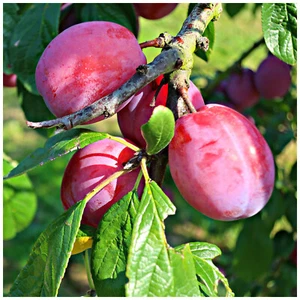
point(153, 11)
point(221, 163)
point(139, 110)
point(241, 90)
point(9, 80)
point(90, 166)
point(85, 63)
point(273, 78)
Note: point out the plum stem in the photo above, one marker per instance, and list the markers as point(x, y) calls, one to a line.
point(104, 183)
point(160, 42)
point(177, 54)
point(124, 142)
point(88, 269)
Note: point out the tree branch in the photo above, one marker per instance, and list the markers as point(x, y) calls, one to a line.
point(176, 55)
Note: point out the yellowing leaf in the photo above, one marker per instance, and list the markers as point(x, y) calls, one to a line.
point(81, 244)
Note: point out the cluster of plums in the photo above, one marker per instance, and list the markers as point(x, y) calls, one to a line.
point(218, 159)
point(245, 88)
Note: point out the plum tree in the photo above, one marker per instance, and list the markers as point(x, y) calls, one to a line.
point(153, 11)
point(9, 80)
point(139, 110)
point(241, 90)
point(84, 63)
point(90, 166)
point(231, 175)
point(272, 78)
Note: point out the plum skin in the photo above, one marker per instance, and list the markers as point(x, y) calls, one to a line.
point(221, 163)
point(9, 80)
point(241, 90)
point(272, 78)
point(139, 110)
point(90, 166)
point(154, 11)
point(84, 63)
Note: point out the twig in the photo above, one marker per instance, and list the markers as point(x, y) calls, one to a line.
point(176, 54)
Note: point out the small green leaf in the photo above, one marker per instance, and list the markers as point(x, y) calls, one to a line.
point(148, 268)
point(19, 202)
point(279, 24)
point(159, 130)
point(234, 8)
point(35, 30)
point(111, 247)
point(208, 278)
point(185, 282)
point(207, 272)
point(120, 13)
point(10, 19)
point(58, 145)
point(48, 260)
point(202, 250)
point(254, 250)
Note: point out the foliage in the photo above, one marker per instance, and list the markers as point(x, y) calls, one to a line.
point(141, 247)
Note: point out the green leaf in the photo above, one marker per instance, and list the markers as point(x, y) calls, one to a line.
point(35, 30)
point(208, 273)
point(120, 13)
point(48, 260)
point(86, 230)
point(209, 33)
point(159, 130)
point(208, 278)
point(184, 278)
point(111, 247)
point(19, 202)
point(10, 19)
point(40, 111)
point(148, 268)
point(279, 24)
point(254, 250)
point(202, 250)
point(234, 8)
point(58, 145)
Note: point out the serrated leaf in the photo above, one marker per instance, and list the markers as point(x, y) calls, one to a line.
point(159, 130)
point(202, 250)
point(40, 111)
point(208, 278)
point(254, 250)
point(48, 260)
point(279, 24)
point(149, 269)
point(111, 247)
point(56, 146)
point(19, 202)
point(120, 13)
point(35, 30)
point(233, 9)
point(184, 278)
point(208, 273)
point(10, 19)
point(209, 33)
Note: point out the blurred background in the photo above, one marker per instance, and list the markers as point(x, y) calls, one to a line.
point(258, 254)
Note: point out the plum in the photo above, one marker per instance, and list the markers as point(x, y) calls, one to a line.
point(84, 63)
point(221, 163)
